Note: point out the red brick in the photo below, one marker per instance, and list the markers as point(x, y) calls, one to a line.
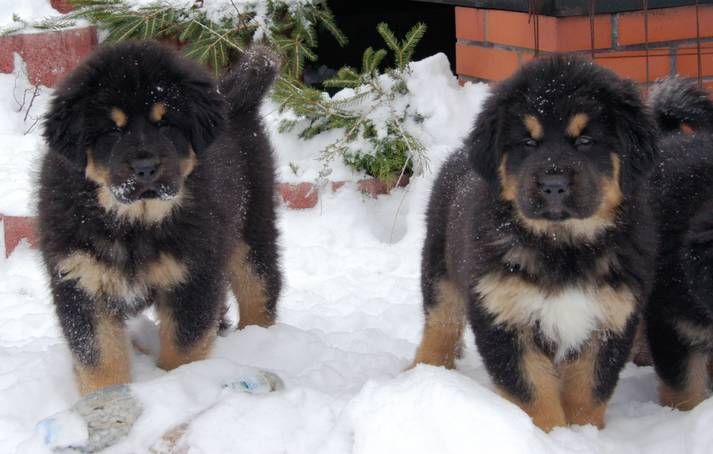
point(574, 33)
point(337, 185)
point(18, 228)
point(687, 60)
point(485, 62)
point(666, 24)
point(470, 23)
point(708, 85)
point(375, 187)
point(555, 34)
point(632, 64)
point(63, 6)
point(48, 56)
point(517, 29)
point(301, 195)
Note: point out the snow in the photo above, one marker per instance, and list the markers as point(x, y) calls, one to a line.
point(433, 93)
point(350, 320)
point(30, 11)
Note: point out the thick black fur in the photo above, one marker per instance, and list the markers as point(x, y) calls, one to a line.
point(678, 101)
point(232, 188)
point(682, 199)
point(470, 227)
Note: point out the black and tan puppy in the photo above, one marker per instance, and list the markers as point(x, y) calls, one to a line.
point(679, 315)
point(538, 234)
point(158, 190)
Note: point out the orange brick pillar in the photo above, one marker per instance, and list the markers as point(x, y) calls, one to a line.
point(491, 44)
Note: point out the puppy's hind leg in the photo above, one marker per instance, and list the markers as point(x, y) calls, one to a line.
point(189, 318)
point(444, 310)
point(682, 368)
point(256, 281)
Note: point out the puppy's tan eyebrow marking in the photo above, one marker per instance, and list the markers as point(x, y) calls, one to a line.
point(118, 117)
point(533, 126)
point(158, 110)
point(577, 124)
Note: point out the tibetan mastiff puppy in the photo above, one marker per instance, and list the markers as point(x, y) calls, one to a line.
point(679, 315)
point(157, 189)
point(538, 234)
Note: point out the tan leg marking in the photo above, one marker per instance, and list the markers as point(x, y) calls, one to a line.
point(695, 389)
point(249, 290)
point(443, 330)
point(580, 405)
point(173, 355)
point(545, 407)
point(113, 367)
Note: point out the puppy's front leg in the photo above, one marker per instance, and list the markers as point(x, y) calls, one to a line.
point(581, 403)
point(96, 338)
point(522, 373)
point(189, 316)
point(589, 380)
point(540, 382)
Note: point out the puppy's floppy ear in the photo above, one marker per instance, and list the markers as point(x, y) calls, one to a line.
point(636, 133)
point(208, 111)
point(483, 142)
point(63, 124)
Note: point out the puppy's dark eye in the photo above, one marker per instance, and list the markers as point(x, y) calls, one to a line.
point(529, 142)
point(583, 141)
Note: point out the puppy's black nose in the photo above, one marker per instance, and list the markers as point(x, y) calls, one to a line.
point(146, 169)
point(554, 189)
point(554, 186)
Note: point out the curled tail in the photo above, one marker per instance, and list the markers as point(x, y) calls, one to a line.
point(678, 103)
point(249, 79)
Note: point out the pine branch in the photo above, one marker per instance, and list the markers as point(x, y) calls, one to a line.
point(371, 60)
point(327, 20)
point(289, 26)
point(388, 156)
point(408, 45)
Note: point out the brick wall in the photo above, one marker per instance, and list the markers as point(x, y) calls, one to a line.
point(491, 44)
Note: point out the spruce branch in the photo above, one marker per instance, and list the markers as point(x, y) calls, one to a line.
point(371, 115)
point(290, 27)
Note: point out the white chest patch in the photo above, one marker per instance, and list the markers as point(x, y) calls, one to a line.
point(567, 318)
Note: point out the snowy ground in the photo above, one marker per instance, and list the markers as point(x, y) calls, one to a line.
point(350, 319)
